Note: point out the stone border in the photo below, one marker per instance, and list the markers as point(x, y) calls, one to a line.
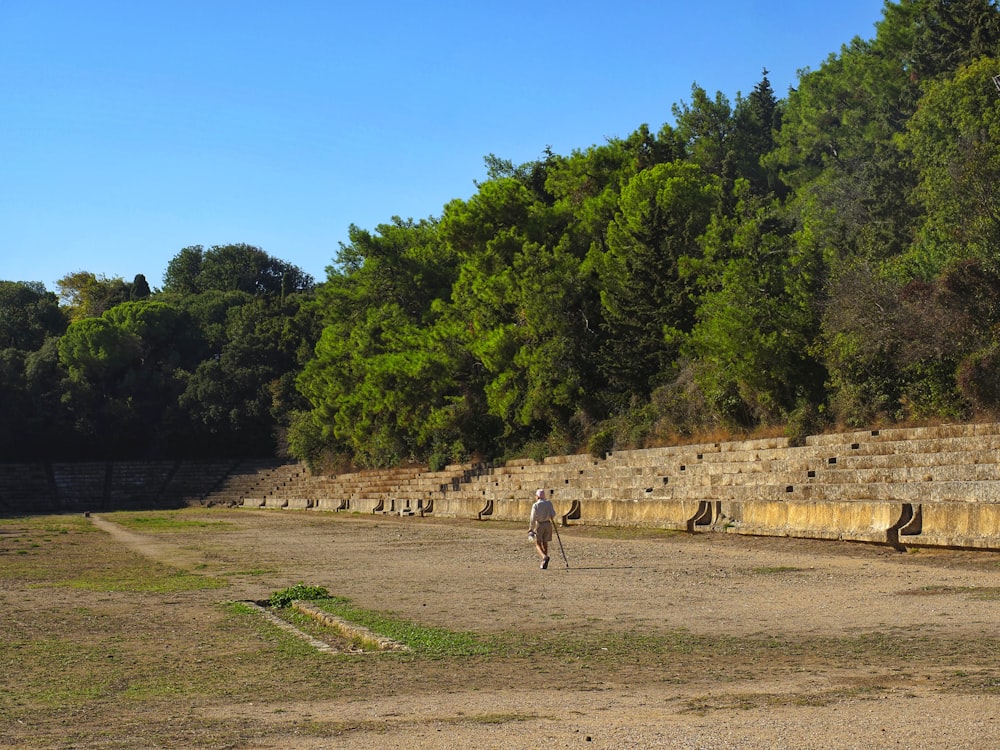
point(346, 629)
point(319, 645)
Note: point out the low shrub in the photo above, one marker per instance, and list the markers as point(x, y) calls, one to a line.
point(298, 592)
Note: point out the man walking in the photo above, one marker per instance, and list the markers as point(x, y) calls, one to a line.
point(541, 524)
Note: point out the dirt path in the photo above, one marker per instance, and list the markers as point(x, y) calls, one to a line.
point(157, 549)
point(653, 640)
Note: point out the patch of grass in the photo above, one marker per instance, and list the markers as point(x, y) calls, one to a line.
point(157, 521)
point(984, 593)
point(976, 681)
point(768, 570)
point(154, 687)
point(342, 640)
point(82, 674)
point(500, 718)
point(702, 705)
point(929, 591)
point(429, 641)
point(287, 645)
point(151, 579)
point(75, 554)
point(239, 609)
point(113, 568)
point(25, 542)
point(254, 572)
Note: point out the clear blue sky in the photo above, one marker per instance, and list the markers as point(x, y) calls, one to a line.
point(132, 129)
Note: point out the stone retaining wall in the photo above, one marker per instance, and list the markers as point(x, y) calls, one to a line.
point(932, 486)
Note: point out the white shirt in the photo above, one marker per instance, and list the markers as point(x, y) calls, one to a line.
point(541, 512)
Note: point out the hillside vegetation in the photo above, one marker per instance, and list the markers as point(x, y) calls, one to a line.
point(829, 258)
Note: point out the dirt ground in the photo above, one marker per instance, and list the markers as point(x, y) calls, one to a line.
point(118, 632)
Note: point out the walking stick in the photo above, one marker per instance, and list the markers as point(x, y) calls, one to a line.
point(559, 539)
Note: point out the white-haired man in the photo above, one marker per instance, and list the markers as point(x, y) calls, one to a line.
point(541, 524)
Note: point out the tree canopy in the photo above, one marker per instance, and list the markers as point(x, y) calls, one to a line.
point(826, 258)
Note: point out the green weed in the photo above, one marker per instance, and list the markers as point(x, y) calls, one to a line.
point(298, 592)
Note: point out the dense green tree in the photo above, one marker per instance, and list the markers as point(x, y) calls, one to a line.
point(860, 349)
point(181, 276)
point(139, 289)
point(249, 327)
point(155, 323)
point(28, 315)
point(48, 433)
point(401, 262)
point(931, 38)
point(97, 350)
point(393, 395)
point(209, 312)
point(524, 298)
point(953, 141)
point(32, 388)
point(237, 401)
point(532, 175)
point(837, 146)
point(14, 404)
point(705, 126)
point(756, 121)
point(645, 300)
point(87, 295)
point(237, 267)
point(168, 340)
point(587, 184)
point(534, 348)
point(836, 151)
point(833, 252)
point(382, 385)
point(921, 355)
point(98, 355)
point(756, 316)
point(123, 376)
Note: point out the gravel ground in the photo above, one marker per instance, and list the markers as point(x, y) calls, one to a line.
point(654, 640)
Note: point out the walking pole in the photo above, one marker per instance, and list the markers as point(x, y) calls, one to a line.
point(559, 539)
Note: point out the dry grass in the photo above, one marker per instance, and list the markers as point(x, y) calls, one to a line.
point(103, 648)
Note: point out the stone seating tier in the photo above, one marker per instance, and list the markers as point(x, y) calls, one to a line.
point(130, 481)
point(190, 481)
point(24, 486)
point(923, 486)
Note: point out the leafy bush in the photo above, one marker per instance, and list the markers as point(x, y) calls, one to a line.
point(978, 379)
point(601, 442)
point(805, 420)
point(299, 591)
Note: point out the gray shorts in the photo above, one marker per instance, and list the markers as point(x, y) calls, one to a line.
point(543, 531)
